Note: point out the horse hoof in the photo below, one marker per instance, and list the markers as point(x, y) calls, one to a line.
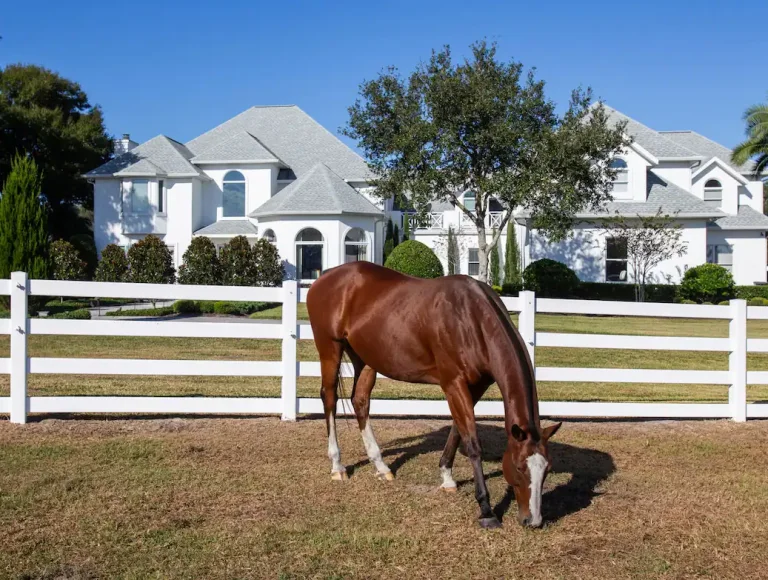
point(339, 476)
point(489, 523)
point(386, 476)
point(448, 488)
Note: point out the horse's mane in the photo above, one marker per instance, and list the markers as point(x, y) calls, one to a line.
point(520, 349)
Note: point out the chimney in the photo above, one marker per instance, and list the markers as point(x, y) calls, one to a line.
point(124, 144)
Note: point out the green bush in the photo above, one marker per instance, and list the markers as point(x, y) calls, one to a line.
point(686, 301)
point(164, 311)
point(268, 267)
point(511, 289)
point(625, 292)
point(201, 263)
point(724, 303)
point(113, 266)
point(415, 259)
point(239, 308)
point(5, 313)
point(237, 265)
point(758, 301)
point(707, 283)
point(747, 292)
point(226, 308)
point(81, 314)
point(497, 289)
point(205, 306)
point(186, 307)
point(151, 262)
point(550, 279)
point(65, 262)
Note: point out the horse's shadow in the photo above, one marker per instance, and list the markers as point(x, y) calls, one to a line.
point(588, 468)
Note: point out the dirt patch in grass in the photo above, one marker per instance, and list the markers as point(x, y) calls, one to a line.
point(223, 498)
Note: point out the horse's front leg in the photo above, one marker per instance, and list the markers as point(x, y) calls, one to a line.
point(462, 408)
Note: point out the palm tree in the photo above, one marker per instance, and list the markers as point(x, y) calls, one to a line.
point(756, 145)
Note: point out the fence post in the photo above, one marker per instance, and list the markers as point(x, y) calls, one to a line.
point(290, 343)
point(737, 360)
point(527, 322)
point(19, 364)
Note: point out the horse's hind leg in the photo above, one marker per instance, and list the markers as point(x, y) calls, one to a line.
point(330, 362)
point(446, 460)
point(361, 401)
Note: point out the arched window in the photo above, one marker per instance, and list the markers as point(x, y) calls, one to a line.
point(233, 199)
point(355, 246)
point(269, 235)
point(469, 200)
point(621, 181)
point(309, 254)
point(713, 193)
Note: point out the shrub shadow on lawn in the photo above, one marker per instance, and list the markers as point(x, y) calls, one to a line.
point(588, 468)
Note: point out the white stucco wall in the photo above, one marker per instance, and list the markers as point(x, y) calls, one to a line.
point(107, 226)
point(584, 253)
point(260, 185)
point(730, 202)
point(677, 172)
point(637, 167)
point(749, 254)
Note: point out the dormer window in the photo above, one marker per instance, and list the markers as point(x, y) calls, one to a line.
point(233, 198)
point(621, 180)
point(713, 193)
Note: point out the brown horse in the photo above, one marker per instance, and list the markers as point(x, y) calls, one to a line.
point(454, 332)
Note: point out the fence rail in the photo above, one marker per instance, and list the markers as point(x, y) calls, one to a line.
point(289, 330)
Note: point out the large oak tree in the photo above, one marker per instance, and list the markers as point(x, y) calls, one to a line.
point(49, 118)
point(485, 126)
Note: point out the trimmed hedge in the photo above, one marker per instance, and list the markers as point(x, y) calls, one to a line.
point(415, 259)
point(186, 307)
point(625, 292)
point(240, 308)
point(758, 301)
point(5, 313)
point(747, 292)
point(163, 311)
point(550, 279)
point(81, 314)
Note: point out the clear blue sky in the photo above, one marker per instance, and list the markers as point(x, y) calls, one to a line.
point(168, 67)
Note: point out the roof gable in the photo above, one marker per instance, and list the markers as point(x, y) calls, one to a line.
point(319, 191)
point(727, 167)
point(294, 137)
point(650, 140)
point(706, 148)
point(158, 156)
point(240, 147)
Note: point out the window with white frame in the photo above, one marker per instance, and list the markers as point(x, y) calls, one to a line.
point(161, 196)
point(138, 197)
point(621, 180)
point(720, 254)
point(473, 262)
point(233, 195)
point(355, 246)
point(615, 260)
point(470, 200)
point(713, 193)
point(309, 254)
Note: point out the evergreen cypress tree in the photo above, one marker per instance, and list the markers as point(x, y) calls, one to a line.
point(396, 238)
point(454, 266)
point(389, 240)
point(512, 275)
point(23, 222)
point(495, 264)
point(406, 227)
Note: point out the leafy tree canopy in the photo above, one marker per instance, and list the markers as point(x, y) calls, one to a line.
point(49, 118)
point(486, 126)
point(756, 145)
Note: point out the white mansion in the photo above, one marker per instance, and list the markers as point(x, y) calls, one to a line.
point(274, 172)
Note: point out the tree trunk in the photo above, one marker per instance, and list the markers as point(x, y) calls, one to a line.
point(484, 250)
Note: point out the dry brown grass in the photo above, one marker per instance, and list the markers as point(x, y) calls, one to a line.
point(252, 498)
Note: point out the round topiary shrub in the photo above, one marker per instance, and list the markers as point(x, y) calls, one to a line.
point(415, 259)
point(707, 283)
point(186, 307)
point(550, 279)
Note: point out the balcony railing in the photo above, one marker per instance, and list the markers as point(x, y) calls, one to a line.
point(436, 221)
point(431, 221)
point(492, 220)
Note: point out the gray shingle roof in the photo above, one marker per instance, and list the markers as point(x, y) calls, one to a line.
point(158, 156)
point(706, 148)
point(672, 200)
point(228, 228)
point(241, 146)
point(652, 141)
point(295, 137)
point(746, 219)
point(319, 191)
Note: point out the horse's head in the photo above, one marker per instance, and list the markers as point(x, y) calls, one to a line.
point(526, 463)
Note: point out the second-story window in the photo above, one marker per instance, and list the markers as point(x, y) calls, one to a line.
point(161, 196)
point(621, 181)
point(713, 193)
point(139, 196)
point(469, 200)
point(473, 262)
point(233, 198)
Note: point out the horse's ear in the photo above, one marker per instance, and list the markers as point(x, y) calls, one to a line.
point(517, 433)
point(548, 432)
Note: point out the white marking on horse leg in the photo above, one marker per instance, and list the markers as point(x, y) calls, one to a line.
point(334, 454)
point(537, 466)
point(372, 448)
point(448, 481)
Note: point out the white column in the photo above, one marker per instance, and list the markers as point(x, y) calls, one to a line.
point(737, 360)
point(290, 333)
point(527, 322)
point(19, 365)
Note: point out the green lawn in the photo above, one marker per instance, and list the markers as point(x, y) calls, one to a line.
point(243, 349)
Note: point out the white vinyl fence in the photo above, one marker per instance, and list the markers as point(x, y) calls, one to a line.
point(19, 365)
